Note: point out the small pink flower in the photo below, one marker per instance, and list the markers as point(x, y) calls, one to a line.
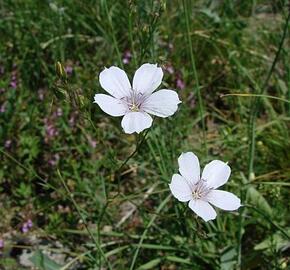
point(24, 228)
point(13, 84)
point(3, 108)
point(71, 121)
point(29, 223)
point(180, 83)
point(127, 56)
point(169, 68)
point(59, 112)
point(92, 142)
point(1, 243)
point(40, 94)
point(2, 70)
point(53, 161)
point(68, 69)
point(7, 143)
point(50, 130)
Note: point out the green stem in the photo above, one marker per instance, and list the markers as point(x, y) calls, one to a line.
point(20, 165)
point(131, 36)
point(240, 231)
point(257, 102)
point(269, 219)
point(83, 219)
point(118, 172)
point(138, 145)
point(152, 27)
point(195, 76)
point(114, 39)
point(160, 207)
point(256, 95)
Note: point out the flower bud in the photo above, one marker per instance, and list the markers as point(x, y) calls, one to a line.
point(252, 176)
point(60, 71)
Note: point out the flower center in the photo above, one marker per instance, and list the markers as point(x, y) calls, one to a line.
point(200, 189)
point(134, 108)
point(134, 101)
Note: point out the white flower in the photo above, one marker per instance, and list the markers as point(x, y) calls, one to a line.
point(137, 102)
point(201, 191)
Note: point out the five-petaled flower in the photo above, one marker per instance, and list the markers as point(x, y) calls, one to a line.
point(201, 191)
point(136, 102)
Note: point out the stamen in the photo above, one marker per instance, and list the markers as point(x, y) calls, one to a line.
point(134, 108)
point(134, 101)
point(200, 190)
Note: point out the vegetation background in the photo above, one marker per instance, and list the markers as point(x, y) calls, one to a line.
point(66, 200)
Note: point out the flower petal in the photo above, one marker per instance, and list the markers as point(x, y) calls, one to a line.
point(115, 81)
point(216, 173)
point(180, 188)
point(224, 200)
point(189, 167)
point(147, 78)
point(162, 103)
point(136, 122)
point(202, 209)
point(110, 105)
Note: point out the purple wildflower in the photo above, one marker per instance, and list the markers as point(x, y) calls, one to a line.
point(14, 80)
point(29, 223)
point(24, 228)
point(13, 84)
point(127, 56)
point(40, 94)
point(180, 83)
point(50, 130)
point(92, 142)
point(7, 143)
point(2, 108)
point(71, 121)
point(68, 69)
point(59, 112)
point(53, 160)
point(169, 68)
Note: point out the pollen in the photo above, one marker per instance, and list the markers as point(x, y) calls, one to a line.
point(134, 108)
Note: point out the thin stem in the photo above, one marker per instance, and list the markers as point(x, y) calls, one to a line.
point(114, 39)
point(138, 145)
point(20, 165)
point(131, 35)
point(195, 76)
point(118, 172)
point(240, 231)
point(257, 102)
point(158, 210)
point(83, 219)
point(269, 219)
point(152, 27)
point(255, 95)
